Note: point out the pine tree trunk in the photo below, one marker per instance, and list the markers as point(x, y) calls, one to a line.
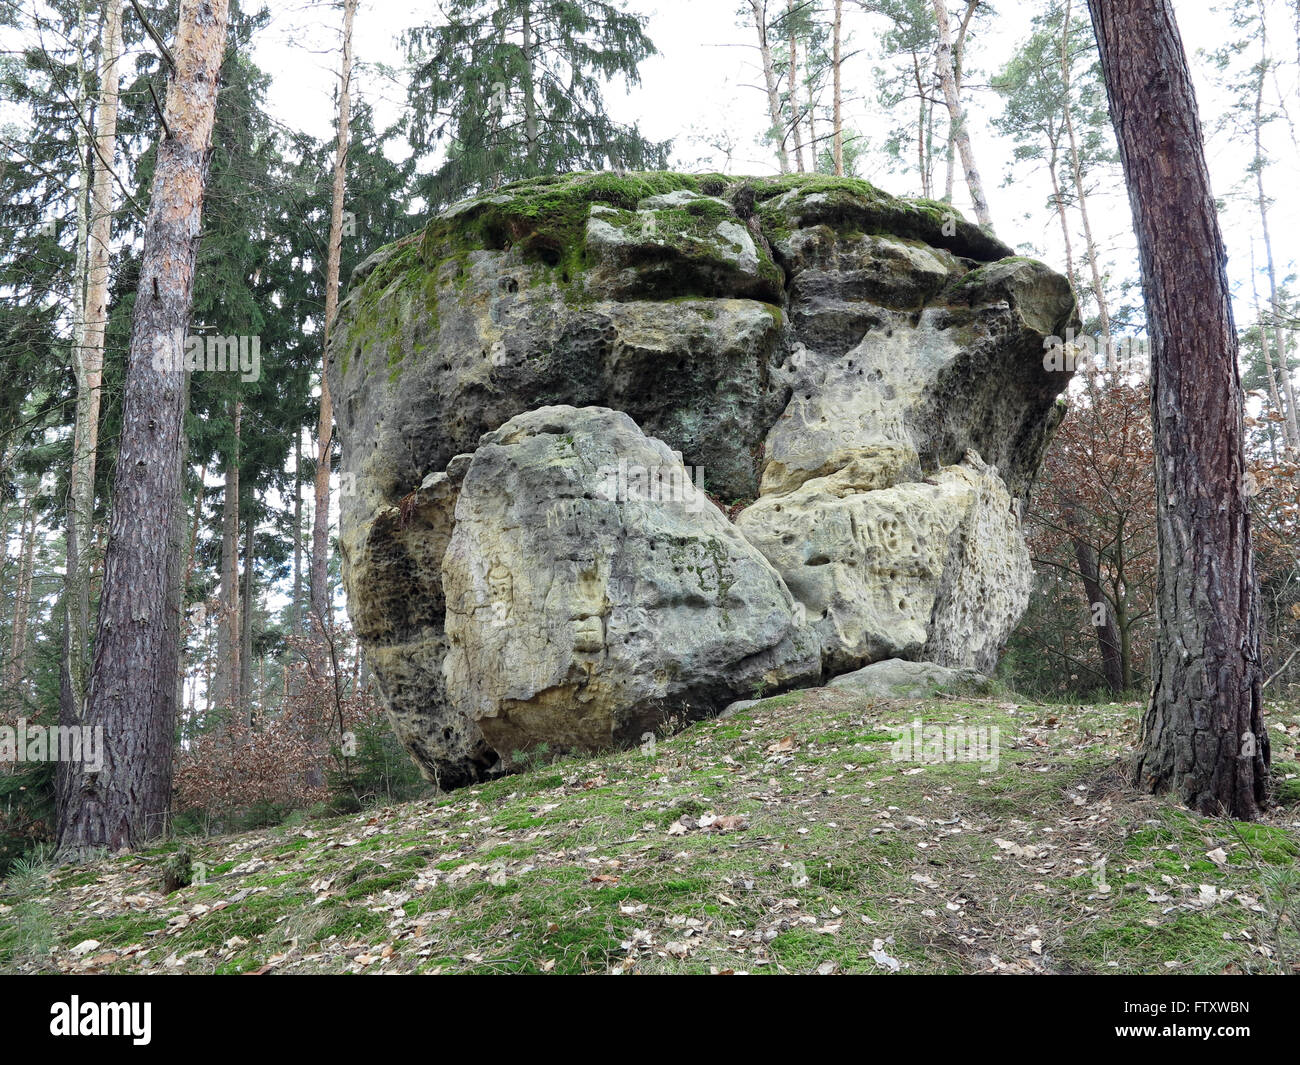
point(1203, 735)
point(132, 695)
point(246, 624)
point(225, 695)
point(17, 666)
point(295, 607)
point(321, 610)
point(1279, 341)
point(770, 83)
point(921, 126)
point(1274, 396)
point(187, 572)
point(792, 82)
point(1058, 198)
point(530, 86)
point(960, 135)
point(812, 130)
point(837, 61)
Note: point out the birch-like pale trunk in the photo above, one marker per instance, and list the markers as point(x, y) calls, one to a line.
point(88, 364)
point(957, 117)
point(1076, 172)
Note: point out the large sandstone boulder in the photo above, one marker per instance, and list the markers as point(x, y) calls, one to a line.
point(859, 376)
point(935, 568)
point(585, 608)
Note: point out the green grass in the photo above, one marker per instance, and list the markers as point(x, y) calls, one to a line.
point(590, 865)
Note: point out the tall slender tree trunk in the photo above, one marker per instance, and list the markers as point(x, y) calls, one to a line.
point(837, 61)
point(922, 164)
point(770, 83)
point(1274, 396)
point(1076, 172)
point(958, 59)
point(1203, 734)
point(17, 666)
point(530, 87)
point(1104, 617)
point(246, 623)
point(182, 654)
point(792, 79)
point(83, 185)
point(225, 695)
point(956, 115)
point(812, 129)
point(123, 802)
point(1279, 340)
point(320, 593)
point(1058, 199)
point(89, 368)
point(295, 607)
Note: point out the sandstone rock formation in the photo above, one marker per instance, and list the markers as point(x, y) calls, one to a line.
point(581, 613)
point(896, 678)
point(517, 389)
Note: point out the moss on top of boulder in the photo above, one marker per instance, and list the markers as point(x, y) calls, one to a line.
point(544, 220)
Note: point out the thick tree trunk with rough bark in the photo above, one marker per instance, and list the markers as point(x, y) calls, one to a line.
point(132, 698)
point(1203, 734)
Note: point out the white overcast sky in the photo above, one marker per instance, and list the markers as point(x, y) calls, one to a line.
point(703, 81)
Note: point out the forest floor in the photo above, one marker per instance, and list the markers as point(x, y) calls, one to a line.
point(781, 839)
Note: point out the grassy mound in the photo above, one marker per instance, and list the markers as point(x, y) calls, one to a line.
point(782, 839)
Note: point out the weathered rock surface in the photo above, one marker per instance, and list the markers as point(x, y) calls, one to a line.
point(896, 678)
point(933, 568)
point(866, 372)
point(582, 612)
point(899, 347)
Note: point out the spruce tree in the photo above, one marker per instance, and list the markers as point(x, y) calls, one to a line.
point(511, 89)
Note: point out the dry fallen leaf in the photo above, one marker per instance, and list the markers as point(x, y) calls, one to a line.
point(882, 959)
